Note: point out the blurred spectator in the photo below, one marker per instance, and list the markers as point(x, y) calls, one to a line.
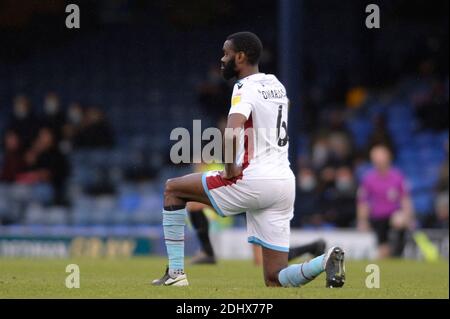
point(384, 204)
point(23, 120)
point(46, 164)
point(442, 185)
point(338, 197)
point(307, 204)
point(333, 150)
point(320, 151)
point(13, 161)
point(356, 97)
point(440, 218)
point(72, 126)
point(95, 131)
point(340, 150)
point(332, 145)
point(335, 121)
point(337, 193)
point(54, 118)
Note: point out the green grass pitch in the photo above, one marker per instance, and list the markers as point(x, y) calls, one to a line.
point(129, 278)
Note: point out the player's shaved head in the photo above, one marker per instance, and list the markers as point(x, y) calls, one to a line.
point(249, 43)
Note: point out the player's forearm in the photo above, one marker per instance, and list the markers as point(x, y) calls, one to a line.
point(233, 131)
point(230, 147)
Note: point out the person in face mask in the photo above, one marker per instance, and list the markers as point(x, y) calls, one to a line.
point(53, 117)
point(51, 104)
point(75, 114)
point(307, 204)
point(23, 121)
point(345, 183)
point(72, 127)
point(345, 197)
point(21, 108)
point(307, 180)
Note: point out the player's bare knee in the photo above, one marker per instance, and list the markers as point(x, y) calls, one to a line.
point(170, 196)
point(169, 187)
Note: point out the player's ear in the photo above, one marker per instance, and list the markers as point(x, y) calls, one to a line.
point(240, 57)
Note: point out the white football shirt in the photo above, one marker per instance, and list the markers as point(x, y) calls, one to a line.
point(263, 149)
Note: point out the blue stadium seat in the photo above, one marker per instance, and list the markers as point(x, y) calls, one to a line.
point(423, 203)
point(361, 129)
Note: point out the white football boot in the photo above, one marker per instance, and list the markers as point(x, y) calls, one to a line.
point(171, 280)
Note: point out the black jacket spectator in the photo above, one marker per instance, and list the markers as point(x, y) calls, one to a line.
point(13, 162)
point(95, 131)
point(23, 121)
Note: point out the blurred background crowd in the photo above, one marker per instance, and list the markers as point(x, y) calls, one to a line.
point(85, 115)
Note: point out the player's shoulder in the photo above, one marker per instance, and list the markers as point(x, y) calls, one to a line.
point(244, 86)
point(256, 81)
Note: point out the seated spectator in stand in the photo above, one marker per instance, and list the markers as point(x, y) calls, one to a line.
point(340, 150)
point(23, 120)
point(95, 131)
point(54, 118)
point(440, 218)
point(340, 205)
point(13, 157)
point(46, 164)
point(337, 194)
point(442, 185)
point(384, 204)
point(327, 192)
point(335, 122)
point(331, 150)
point(307, 204)
point(72, 126)
point(320, 151)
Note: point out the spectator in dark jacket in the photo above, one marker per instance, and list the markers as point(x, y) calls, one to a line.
point(23, 121)
point(54, 118)
point(95, 131)
point(13, 163)
point(46, 164)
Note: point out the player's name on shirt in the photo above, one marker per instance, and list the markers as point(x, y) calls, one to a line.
point(272, 94)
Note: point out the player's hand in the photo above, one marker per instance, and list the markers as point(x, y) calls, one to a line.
point(231, 171)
